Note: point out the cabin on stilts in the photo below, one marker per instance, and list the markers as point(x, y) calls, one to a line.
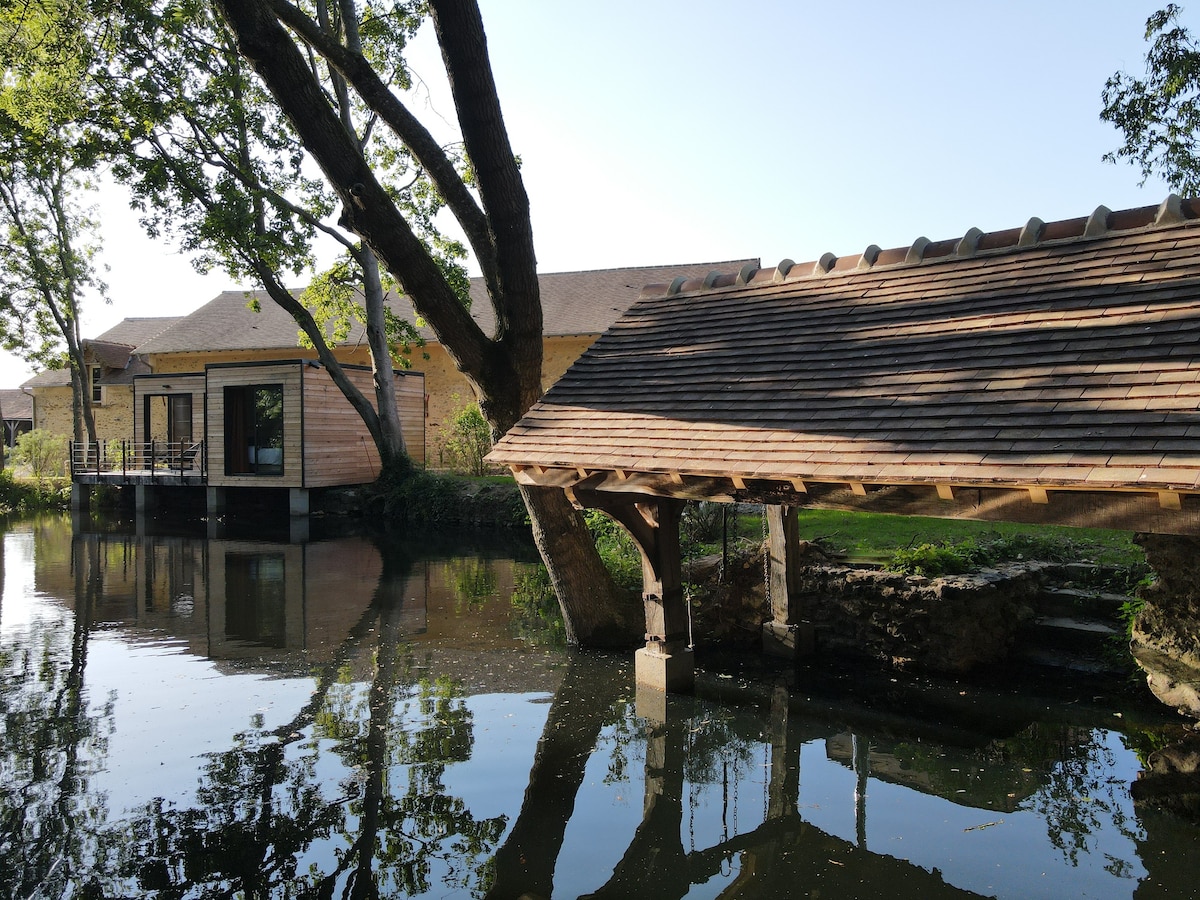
point(279, 424)
point(1045, 374)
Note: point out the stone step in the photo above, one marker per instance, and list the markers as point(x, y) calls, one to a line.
point(1075, 643)
point(1065, 601)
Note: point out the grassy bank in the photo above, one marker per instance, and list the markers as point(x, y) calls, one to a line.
point(915, 544)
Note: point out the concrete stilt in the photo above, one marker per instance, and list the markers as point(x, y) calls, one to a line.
point(143, 498)
point(215, 501)
point(670, 670)
point(298, 502)
point(81, 497)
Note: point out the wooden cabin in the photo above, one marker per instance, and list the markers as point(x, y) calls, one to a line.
point(267, 424)
point(1049, 373)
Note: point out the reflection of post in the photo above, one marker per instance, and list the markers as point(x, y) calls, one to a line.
point(524, 865)
point(862, 768)
point(785, 635)
point(655, 864)
point(783, 792)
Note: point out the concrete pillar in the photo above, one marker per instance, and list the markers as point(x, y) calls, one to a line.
point(81, 496)
point(786, 635)
point(298, 501)
point(215, 501)
point(143, 498)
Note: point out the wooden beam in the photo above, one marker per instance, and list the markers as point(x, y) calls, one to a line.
point(738, 482)
point(1039, 495)
point(945, 491)
point(1170, 500)
point(799, 486)
point(858, 489)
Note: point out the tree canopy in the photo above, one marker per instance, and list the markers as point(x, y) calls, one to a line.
point(1158, 114)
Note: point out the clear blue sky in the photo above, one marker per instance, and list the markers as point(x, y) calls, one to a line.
point(660, 132)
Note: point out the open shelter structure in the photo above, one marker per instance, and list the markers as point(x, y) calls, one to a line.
point(1048, 374)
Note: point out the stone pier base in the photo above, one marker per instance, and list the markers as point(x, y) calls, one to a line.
point(788, 641)
point(672, 671)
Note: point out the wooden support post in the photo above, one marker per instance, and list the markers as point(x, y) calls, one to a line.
point(665, 663)
point(786, 634)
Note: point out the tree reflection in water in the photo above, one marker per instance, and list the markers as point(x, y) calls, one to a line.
point(356, 796)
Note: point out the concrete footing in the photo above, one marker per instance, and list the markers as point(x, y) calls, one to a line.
point(788, 641)
point(659, 669)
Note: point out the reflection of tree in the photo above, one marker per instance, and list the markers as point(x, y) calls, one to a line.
point(1076, 801)
point(50, 744)
point(472, 580)
point(582, 706)
point(262, 811)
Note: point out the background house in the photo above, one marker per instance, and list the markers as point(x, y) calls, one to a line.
point(16, 408)
point(577, 308)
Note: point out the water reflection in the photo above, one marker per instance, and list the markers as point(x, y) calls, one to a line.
point(354, 717)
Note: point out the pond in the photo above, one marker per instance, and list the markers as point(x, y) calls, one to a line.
point(343, 716)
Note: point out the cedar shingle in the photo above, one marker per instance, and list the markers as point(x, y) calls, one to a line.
point(1076, 363)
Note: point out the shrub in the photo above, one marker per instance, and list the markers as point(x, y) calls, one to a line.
point(616, 548)
point(27, 495)
point(469, 440)
point(42, 452)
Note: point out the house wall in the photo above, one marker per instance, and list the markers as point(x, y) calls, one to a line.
point(286, 374)
point(114, 417)
point(338, 449)
point(447, 391)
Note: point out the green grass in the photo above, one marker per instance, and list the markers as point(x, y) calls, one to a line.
point(876, 536)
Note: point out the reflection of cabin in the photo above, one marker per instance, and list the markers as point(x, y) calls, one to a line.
point(276, 424)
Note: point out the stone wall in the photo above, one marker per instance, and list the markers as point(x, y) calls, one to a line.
point(946, 624)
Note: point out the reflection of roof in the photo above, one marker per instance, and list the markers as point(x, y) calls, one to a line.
point(1061, 354)
point(15, 404)
point(572, 303)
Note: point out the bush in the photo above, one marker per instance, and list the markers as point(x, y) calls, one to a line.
point(28, 495)
point(469, 441)
point(42, 452)
point(616, 548)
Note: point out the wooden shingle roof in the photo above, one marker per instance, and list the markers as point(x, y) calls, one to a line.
point(1060, 356)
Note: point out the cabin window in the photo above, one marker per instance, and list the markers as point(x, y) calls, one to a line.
point(97, 387)
point(254, 430)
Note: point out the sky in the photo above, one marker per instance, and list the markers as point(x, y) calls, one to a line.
point(679, 131)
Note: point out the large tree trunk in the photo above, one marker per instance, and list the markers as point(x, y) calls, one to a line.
point(506, 369)
point(596, 612)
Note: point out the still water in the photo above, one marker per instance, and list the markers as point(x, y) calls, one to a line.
point(354, 717)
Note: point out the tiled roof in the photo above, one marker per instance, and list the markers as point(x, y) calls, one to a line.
point(137, 330)
point(1065, 355)
point(572, 303)
point(16, 404)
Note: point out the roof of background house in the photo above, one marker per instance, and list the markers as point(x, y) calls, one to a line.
point(15, 404)
point(1064, 354)
point(137, 330)
point(572, 303)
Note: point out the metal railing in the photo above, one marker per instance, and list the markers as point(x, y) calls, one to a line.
point(138, 458)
